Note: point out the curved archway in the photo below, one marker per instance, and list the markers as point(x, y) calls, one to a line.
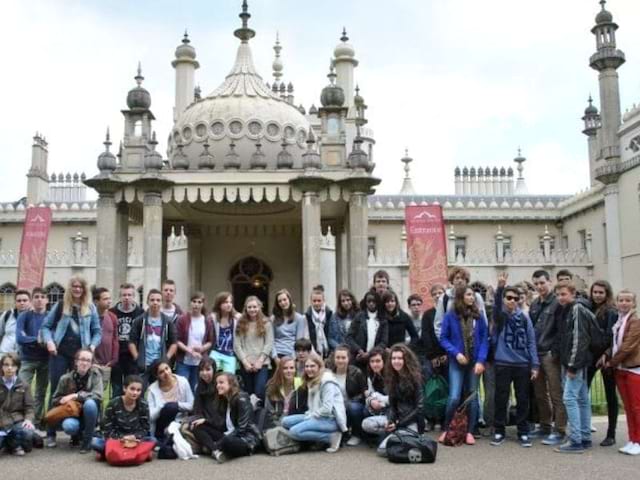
point(55, 294)
point(7, 294)
point(250, 276)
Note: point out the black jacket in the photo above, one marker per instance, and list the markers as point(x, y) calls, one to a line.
point(428, 344)
point(242, 418)
point(606, 320)
point(313, 336)
point(543, 317)
point(574, 337)
point(275, 408)
point(406, 406)
point(356, 383)
point(204, 405)
point(138, 336)
point(399, 325)
point(357, 336)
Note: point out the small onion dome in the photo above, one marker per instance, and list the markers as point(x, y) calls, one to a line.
point(232, 159)
point(138, 97)
point(180, 160)
point(358, 101)
point(206, 159)
point(472, 171)
point(153, 159)
point(311, 158)
point(301, 109)
point(465, 171)
point(284, 159)
point(510, 172)
point(604, 16)
point(313, 110)
point(591, 109)
point(503, 172)
point(457, 171)
point(495, 171)
point(185, 50)
point(332, 95)
point(487, 172)
point(258, 159)
point(344, 49)
point(106, 160)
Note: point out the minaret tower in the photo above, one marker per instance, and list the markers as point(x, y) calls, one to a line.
point(606, 61)
point(591, 121)
point(185, 64)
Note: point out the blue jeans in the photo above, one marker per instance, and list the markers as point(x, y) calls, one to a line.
point(355, 415)
point(578, 405)
point(190, 372)
point(255, 382)
point(461, 380)
point(307, 429)
point(17, 437)
point(87, 423)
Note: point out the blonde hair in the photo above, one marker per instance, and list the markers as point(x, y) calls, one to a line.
point(626, 291)
point(85, 300)
point(312, 382)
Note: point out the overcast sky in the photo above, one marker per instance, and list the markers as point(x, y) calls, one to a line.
point(458, 82)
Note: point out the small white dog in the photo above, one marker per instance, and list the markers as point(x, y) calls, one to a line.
point(180, 445)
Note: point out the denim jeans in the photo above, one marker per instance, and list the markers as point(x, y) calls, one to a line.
point(462, 380)
point(225, 363)
point(308, 429)
point(255, 382)
point(190, 372)
point(87, 423)
point(578, 405)
point(355, 414)
point(40, 370)
point(18, 436)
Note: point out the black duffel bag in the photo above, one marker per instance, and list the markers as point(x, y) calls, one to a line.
point(408, 446)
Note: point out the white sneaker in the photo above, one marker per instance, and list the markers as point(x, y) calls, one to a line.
point(334, 444)
point(626, 448)
point(634, 450)
point(354, 441)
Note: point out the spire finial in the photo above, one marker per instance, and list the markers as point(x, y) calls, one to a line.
point(332, 74)
point(344, 36)
point(185, 38)
point(277, 61)
point(139, 78)
point(590, 100)
point(603, 3)
point(107, 140)
point(245, 33)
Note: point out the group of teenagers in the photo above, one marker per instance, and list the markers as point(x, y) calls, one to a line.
point(233, 380)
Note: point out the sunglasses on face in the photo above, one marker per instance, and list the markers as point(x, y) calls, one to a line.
point(510, 297)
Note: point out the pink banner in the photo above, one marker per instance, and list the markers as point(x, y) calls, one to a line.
point(33, 248)
point(427, 250)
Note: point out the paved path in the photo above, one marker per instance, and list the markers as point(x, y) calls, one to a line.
point(481, 461)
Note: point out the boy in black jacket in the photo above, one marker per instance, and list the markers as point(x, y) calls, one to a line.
point(573, 348)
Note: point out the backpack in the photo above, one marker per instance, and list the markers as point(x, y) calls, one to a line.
point(436, 393)
point(599, 341)
point(408, 446)
point(277, 442)
point(458, 427)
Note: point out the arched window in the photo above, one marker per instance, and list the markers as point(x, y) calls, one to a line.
point(480, 288)
point(137, 128)
point(55, 294)
point(7, 294)
point(250, 276)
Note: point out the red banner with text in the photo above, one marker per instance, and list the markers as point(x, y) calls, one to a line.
point(33, 248)
point(426, 249)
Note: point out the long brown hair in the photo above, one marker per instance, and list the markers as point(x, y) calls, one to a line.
point(601, 310)
point(278, 313)
point(217, 304)
point(234, 387)
point(243, 323)
point(277, 382)
point(354, 304)
point(410, 374)
point(462, 309)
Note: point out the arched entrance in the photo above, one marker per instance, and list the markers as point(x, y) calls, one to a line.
point(250, 276)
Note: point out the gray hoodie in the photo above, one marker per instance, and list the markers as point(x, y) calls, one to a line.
point(326, 401)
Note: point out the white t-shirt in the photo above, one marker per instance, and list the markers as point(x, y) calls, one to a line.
point(196, 339)
point(372, 329)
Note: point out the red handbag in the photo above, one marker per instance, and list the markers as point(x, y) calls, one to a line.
point(117, 453)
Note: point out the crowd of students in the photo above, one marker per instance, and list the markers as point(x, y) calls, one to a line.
point(323, 378)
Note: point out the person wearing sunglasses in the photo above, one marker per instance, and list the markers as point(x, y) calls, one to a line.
point(516, 362)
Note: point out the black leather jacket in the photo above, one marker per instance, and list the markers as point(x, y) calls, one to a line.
point(406, 406)
point(357, 336)
point(242, 418)
point(543, 317)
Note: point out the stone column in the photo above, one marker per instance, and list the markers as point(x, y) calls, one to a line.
point(342, 269)
point(311, 238)
point(106, 241)
point(614, 248)
point(358, 230)
point(152, 229)
point(121, 233)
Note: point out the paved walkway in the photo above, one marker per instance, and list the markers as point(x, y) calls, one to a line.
point(478, 462)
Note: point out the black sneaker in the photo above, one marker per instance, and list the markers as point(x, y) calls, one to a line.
point(587, 444)
point(498, 439)
point(608, 442)
point(525, 441)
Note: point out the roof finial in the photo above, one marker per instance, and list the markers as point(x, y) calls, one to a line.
point(344, 36)
point(277, 62)
point(139, 78)
point(603, 3)
point(245, 33)
point(185, 39)
point(107, 141)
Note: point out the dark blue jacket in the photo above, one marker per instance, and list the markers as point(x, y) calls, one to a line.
point(27, 328)
point(514, 340)
point(452, 341)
